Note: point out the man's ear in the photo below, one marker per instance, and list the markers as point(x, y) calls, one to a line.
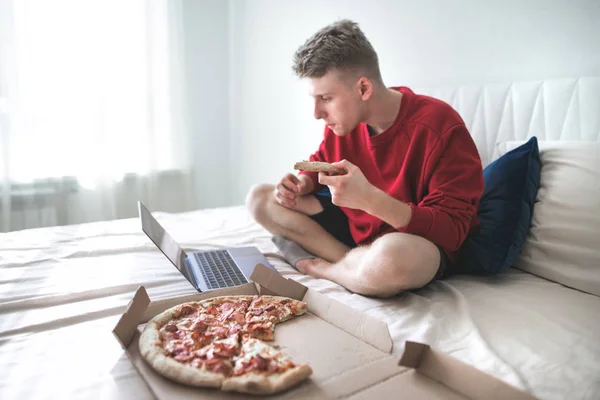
point(365, 88)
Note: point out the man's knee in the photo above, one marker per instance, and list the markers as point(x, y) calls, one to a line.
point(257, 199)
point(397, 262)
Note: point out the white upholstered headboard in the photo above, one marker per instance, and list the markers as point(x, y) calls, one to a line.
point(561, 109)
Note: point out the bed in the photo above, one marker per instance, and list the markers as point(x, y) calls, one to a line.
point(62, 289)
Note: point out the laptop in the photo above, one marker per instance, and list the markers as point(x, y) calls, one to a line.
point(205, 270)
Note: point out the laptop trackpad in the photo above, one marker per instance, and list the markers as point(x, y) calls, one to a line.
point(247, 258)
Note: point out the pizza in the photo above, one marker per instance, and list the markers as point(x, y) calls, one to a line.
point(317, 166)
point(222, 343)
point(263, 368)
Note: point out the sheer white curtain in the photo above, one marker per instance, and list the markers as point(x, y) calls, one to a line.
point(91, 111)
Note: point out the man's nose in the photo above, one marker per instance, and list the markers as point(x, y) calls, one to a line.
point(318, 112)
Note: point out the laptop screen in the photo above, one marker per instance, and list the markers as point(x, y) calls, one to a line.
point(162, 239)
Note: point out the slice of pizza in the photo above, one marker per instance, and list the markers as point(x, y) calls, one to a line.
point(263, 330)
point(181, 329)
point(226, 315)
point(274, 309)
point(217, 357)
point(262, 369)
point(175, 343)
point(318, 166)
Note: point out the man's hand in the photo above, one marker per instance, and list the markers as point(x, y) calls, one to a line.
point(290, 187)
point(351, 190)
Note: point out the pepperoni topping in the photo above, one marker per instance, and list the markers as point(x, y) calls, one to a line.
point(221, 368)
point(208, 319)
point(263, 364)
point(259, 326)
point(224, 350)
point(183, 356)
point(235, 329)
point(256, 302)
point(219, 350)
point(218, 366)
point(199, 326)
point(217, 331)
point(226, 315)
point(272, 367)
point(256, 363)
point(259, 330)
point(239, 318)
point(259, 363)
point(187, 310)
point(237, 305)
point(178, 349)
point(213, 310)
point(170, 327)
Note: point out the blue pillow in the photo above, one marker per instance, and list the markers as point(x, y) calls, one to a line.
point(505, 211)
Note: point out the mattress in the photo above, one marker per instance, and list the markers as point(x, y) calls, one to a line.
point(63, 288)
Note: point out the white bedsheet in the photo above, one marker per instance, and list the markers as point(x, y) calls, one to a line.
point(63, 288)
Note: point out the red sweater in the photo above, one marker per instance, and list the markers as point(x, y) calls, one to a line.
point(427, 159)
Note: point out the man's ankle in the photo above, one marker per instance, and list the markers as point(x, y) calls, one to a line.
point(291, 250)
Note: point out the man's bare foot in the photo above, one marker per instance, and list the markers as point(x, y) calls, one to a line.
point(312, 266)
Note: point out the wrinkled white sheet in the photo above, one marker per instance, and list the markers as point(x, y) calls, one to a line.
point(63, 288)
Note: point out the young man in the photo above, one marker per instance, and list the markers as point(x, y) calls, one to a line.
point(413, 177)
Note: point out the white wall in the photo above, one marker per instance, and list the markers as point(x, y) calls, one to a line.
point(420, 44)
point(206, 55)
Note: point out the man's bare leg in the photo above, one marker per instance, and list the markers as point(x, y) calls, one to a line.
point(295, 224)
point(393, 263)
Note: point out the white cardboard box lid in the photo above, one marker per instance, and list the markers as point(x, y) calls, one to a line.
point(421, 373)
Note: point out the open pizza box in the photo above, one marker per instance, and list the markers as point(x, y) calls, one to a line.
point(349, 352)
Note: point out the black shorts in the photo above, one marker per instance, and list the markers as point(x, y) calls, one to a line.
point(334, 221)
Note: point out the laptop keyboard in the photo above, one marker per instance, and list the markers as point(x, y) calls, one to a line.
point(219, 269)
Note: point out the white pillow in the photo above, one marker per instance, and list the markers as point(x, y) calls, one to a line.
point(563, 244)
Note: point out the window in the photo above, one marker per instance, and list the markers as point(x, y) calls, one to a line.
point(89, 89)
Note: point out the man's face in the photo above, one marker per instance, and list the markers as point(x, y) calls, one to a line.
point(337, 102)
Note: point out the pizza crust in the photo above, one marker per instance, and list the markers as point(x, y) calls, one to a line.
point(257, 383)
point(317, 166)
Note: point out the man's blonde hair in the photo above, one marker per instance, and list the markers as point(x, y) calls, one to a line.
point(340, 46)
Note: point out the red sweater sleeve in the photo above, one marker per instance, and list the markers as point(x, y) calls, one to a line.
point(453, 182)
